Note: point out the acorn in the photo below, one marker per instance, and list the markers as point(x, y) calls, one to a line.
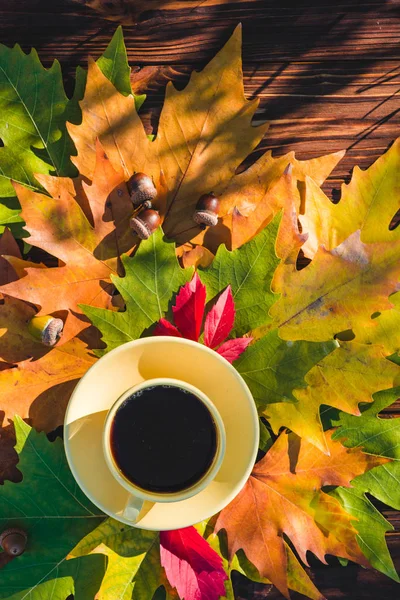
point(46, 329)
point(13, 542)
point(207, 210)
point(141, 188)
point(146, 223)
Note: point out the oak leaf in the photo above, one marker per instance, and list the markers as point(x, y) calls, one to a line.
point(381, 437)
point(31, 94)
point(151, 278)
point(347, 377)
point(8, 246)
point(283, 496)
point(354, 247)
point(76, 227)
point(133, 561)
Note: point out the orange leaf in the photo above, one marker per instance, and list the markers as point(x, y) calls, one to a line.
point(85, 229)
point(283, 496)
point(39, 390)
point(204, 134)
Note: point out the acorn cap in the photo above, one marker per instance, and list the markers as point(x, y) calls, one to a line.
point(140, 228)
point(205, 217)
point(141, 188)
point(13, 541)
point(46, 329)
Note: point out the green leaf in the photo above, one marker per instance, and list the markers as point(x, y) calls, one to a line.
point(375, 435)
point(370, 524)
point(249, 271)
point(35, 109)
point(114, 65)
point(273, 368)
point(151, 278)
point(55, 514)
point(380, 437)
point(266, 439)
point(32, 125)
point(133, 561)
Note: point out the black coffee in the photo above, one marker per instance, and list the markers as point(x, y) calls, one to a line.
point(163, 439)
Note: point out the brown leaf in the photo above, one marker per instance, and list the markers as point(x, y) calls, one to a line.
point(284, 497)
point(8, 246)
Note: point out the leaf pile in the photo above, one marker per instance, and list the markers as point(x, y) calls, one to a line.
point(317, 346)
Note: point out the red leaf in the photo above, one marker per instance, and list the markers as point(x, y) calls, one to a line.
point(220, 319)
point(189, 308)
point(164, 327)
point(232, 349)
point(191, 565)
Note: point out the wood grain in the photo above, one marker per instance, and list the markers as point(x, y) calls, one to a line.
point(328, 77)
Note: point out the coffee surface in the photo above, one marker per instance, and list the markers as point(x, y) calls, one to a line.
point(163, 439)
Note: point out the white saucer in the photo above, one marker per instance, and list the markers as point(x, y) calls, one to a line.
point(129, 365)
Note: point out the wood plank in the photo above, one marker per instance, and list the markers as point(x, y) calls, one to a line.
point(327, 75)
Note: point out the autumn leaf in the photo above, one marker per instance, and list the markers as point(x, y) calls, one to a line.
point(47, 505)
point(284, 496)
point(76, 227)
point(191, 565)
point(133, 561)
point(33, 105)
point(30, 94)
point(220, 319)
point(151, 278)
point(249, 271)
point(189, 308)
point(368, 203)
point(344, 379)
point(8, 246)
point(40, 389)
point(355, 255)
point(188, 315)
point(274, 369)
point(203, 135)
point(381, 437)
point(298, 579)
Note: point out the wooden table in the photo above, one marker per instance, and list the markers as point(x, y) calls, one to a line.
point(328, 76)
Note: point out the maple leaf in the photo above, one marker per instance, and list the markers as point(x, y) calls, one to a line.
point(188, 316)
point(62, 226)
point(298, 579)
point(191, 565)
point(151, 278)
point(203, 136)
point(284, 496)
point(381, 437)
point(63, 513)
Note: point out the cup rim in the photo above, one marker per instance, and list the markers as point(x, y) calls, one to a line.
point(175, 496)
